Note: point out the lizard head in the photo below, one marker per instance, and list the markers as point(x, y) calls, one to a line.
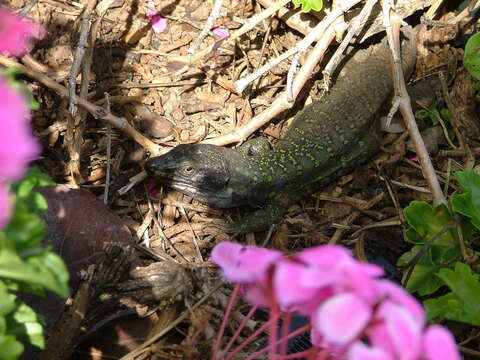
point(201, 171)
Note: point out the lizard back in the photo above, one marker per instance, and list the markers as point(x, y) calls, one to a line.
point(335, 132)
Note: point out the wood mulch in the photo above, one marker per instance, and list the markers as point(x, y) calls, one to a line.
point(134, 70)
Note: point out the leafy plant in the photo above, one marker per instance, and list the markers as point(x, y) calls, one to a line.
point(25, 265)
point(436, 245)
point(308, 5)
point(434, 114)
point(436, 253)
point(468, 204)
point(471, 58)
point(461, 304)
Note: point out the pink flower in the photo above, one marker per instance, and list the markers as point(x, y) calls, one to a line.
point(221, 32)
point(17, 145)
point(439, 344)
point(341, 319)
point(324, 256)
point(345, 299)
point(396, 330)
point(16, 33)
point(333, 265)
point(244, 264)
point(5, 208)
point(292, 294)
point(397, 294)
point(360, 351)
point(248, 265)
point(159, 23)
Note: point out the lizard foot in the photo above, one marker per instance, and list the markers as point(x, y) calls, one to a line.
point(235, 228)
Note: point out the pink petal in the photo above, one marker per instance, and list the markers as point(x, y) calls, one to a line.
point(256, 294)
point(316, 338)
point(249, 264)
point(361, 279)
point(16, 33)
point(159, 23)
point(221, 32)
point(17, 145)
point(439, 344)
point(5, 207)
point(360, 351)
point(380, 337)
point(342, 318)
point(402, 333)
point(324, 256)
point(333, 266)
point(317, 278)
point(290, 292)
point(400, 296)
point(334, 350)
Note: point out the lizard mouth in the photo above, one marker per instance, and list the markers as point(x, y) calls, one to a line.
point(188, 188)
point(204, 193)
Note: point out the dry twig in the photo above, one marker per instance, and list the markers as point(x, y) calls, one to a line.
point(249, 25)
point(302, 46)
point(96, 111)
point(155, 337)
point(76, 120)
point(281, 103)
point(354, 29)
point(402, 102)
point(214, 14)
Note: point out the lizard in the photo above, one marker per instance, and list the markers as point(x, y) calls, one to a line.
point(326, 140)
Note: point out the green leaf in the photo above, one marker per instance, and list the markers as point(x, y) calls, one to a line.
point(308, 5)
point(25, 265)
point(471, 58)
point(445, 306)
point(422, 278)
point(7, 301)
point(468, 204)
point(10, 72)
point(25, 229)
point(23, 190)
point(462, 304)
point(463, 284)
point(52, 267)
point(432, 114)
point(446, 115)
point(426, 223)
point(10, 348)
point(43, 268)
point(26, 325)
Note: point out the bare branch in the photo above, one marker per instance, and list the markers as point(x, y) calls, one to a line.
point(281, 103)
point(214, 14)
point(301, 46)
point(392, 24)
point(357, 25)
point(96, 111)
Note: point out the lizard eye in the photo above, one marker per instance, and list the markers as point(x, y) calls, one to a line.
point(188, 169)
